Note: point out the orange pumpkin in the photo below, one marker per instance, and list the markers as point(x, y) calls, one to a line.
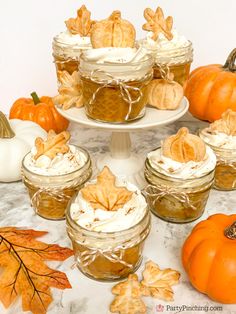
point(40, 110)
point(209, 257)
point(211, 89)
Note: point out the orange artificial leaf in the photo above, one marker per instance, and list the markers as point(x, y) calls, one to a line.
point(105, 194)
point(23, 271)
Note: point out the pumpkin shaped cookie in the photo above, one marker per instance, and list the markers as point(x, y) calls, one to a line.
point(165, 94)
point(184, 147)
point(113, 32)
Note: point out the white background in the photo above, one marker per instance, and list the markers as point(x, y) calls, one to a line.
point(28, 26)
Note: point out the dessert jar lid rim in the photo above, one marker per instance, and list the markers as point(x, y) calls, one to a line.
point(219, 149)
point(87, 162)
point(72, 223)
point(174, 179)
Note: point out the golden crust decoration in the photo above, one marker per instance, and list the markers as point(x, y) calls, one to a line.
point(70, 91)
point(53, 145)
point(82, 24)
point(128, 297)
point(158, 282)
point(113, 32)
point(156, 23)
point(165, 94)
point(227, 123)
point(184, 147)
point(105, 194)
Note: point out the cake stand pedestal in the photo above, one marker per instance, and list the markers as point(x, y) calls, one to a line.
point(120, 158)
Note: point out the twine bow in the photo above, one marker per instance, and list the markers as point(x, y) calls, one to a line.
point(115, 256)
point(125, 89)
point(58, 195)
point(157, 193)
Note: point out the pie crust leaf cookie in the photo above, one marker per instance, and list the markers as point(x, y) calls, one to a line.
point(227, 123)
point(70, 91)
point(53, 145)
point(128, 297)
point(82, 24)
point(104, 194)
point(184, 147)
point(159, 282)
point(156, 23)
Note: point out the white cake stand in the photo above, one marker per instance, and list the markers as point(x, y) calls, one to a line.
point(119, 158)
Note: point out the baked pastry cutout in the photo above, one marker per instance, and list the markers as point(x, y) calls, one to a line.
point(53, 145)
point(113, 32)
point(184, 147)
point(70, 91)
point(227, 123)
point(156, 23)
point(82, 24)
point(128, 297)
point(158, 282)
point(165, 94)
point(104, 194)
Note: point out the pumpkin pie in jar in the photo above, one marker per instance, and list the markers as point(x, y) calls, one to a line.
point(53, 171)
point(221, 137)
point(114, 73)
point(172, 52)
point(180, 174)
point(68, 45)
point(108, 222)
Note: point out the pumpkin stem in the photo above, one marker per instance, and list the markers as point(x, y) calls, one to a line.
point(5, 128)
point(230, 232)
point(35, 98)
point(230, 62)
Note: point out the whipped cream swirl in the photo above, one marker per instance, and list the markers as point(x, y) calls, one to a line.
point(75, 40)
point(59, 165)
point(120, 63)
point(179, 170)
point(110, 221)
point(162, 43)
point(218, 139)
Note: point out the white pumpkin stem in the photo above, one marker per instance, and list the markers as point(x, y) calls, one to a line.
point(5, 128)
point(230, 232)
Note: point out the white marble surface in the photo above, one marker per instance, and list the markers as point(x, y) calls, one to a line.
point(163, 245)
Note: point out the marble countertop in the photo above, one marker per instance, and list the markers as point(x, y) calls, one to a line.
point(163, 245)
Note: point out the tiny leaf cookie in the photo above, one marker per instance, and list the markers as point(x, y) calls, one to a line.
point(70, 91)
point(128, 299)
point(81, 24)
point(227, 123)
point(105, 194)
point(53, 145)
point(159, 282)
point(156, 23)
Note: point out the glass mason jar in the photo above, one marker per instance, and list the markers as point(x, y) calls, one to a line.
point(108, 256)
point(50, 194)
point(66, 56)
point(225, 173)
point(115, 92)
point(176, 60)
point(176, 200)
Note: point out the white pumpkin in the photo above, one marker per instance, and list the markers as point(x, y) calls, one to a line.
point(16, 140)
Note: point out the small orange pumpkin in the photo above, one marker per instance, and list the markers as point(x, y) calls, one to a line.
point(211, 89)
point(40, 110)
point(209, 257)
